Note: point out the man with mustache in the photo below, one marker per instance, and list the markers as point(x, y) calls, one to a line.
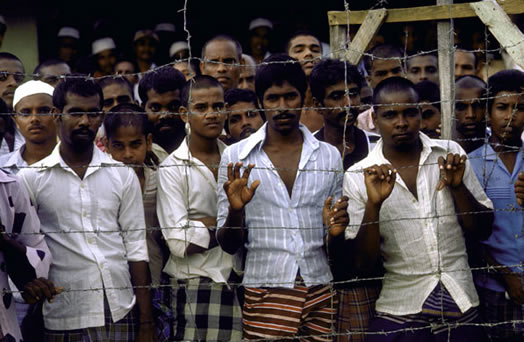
point(33, 102)
point(245, 117)
point(497, 165)
point(328, 81)
point(160, 95)
point(470, 112)
point(76, 189)
point(11, 76)
point(283, 225)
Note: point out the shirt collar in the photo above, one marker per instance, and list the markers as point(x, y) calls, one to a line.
point(15, 159)
point(6, 178)
point(428, 145)
point(183, 153)
point(98, 160)
point(256, 140)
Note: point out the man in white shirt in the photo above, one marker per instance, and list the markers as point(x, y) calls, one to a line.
point(204, 299)
point(417, 222)
point(93, 220)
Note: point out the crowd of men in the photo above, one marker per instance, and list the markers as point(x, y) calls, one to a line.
point(272, 196)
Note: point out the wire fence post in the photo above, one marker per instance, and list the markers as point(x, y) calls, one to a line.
point(446, 69)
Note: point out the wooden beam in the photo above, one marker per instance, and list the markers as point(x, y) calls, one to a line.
point(365, 34)
point(500, 25)
point(422, 13)
point(337, 40)
point(446, 70)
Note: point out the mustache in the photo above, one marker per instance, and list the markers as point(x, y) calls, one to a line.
point(283, 115)
point(352, 114)
point(85, 131)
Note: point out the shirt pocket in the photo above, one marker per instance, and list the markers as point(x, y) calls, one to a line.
point(106, 212)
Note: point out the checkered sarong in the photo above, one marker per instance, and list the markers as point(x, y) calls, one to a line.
point(356, 307)
point(124, 330)
point(495, 308)
point(203, 310)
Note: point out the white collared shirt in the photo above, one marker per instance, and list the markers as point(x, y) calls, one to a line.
point(186, 192)
point(285, 234)
point(420, 237)
point(19, 141)
point(93, 226)
point(13, 162)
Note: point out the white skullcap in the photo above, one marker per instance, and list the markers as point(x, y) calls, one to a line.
point(145, 34)
point(102, 44)
point(178, 46)
point(2, 20)
point(260, 22)
point(31, 88)
point(68, 31)
point(165, 27)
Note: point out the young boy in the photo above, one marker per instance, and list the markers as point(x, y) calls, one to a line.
point(128, 139)
point(429, 102)
point(497, 165)
point(245, 116)
point(416, 221)
point(204, 303)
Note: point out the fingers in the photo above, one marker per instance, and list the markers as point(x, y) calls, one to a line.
point(521, 177)
point(229, 172)
point(236, 172)
point(39, 289)
point(247, 171)
point(254, 186)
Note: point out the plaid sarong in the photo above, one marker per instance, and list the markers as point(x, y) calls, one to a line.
point(271, 313)
point(495, 308)
point(356, 307)
point(124, 330)
point(203, 310)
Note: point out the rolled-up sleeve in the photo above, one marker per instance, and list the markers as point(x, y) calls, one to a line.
point(356, 201)
point(172, 210)
point(131, 218)
point(223, 203)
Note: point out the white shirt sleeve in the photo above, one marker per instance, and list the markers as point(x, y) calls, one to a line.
point(172, 210)
point(131, 218)
point(356, 201)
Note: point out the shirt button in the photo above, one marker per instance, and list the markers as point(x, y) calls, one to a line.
point(82, 185)
point(91, 240)
point(516, 236)
point(84, 214)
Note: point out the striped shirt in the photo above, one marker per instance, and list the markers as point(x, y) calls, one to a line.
point(422, 241)
point(285, 234)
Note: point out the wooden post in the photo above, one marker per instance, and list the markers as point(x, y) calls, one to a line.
point(337, 40)
point(446, 69)
point(500, 25)
point(365, 34)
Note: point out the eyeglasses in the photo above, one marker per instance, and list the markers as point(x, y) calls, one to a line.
point(109, 103)
point(18, 76)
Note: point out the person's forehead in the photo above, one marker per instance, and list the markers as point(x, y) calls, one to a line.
point(303, 40)
point(73, 99)
point(128, 132)
point(11, 65)
point(468, 93)
point(464, 57)
point(56, 69)
point(384, 64)
point(285, 87)
point(125, 65)
point(241, 106)
point(340, 85)
point(115, 89)
point(167, 96)
point(212, 94)
point(508, 97)
point(35, 100)
point(398, 99)
point(105, 53)
point(425, 105)
point(423, 61)
point(221, 48)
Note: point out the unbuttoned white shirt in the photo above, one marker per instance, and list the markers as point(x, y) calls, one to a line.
point(94, 226)
point(419, 237)
point(186, 192)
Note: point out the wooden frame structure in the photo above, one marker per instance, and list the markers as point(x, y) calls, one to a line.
point(494, 14)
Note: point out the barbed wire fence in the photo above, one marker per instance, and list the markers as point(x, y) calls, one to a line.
point(436, 210)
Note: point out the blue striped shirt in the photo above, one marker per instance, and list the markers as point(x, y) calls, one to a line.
point(285, 234)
